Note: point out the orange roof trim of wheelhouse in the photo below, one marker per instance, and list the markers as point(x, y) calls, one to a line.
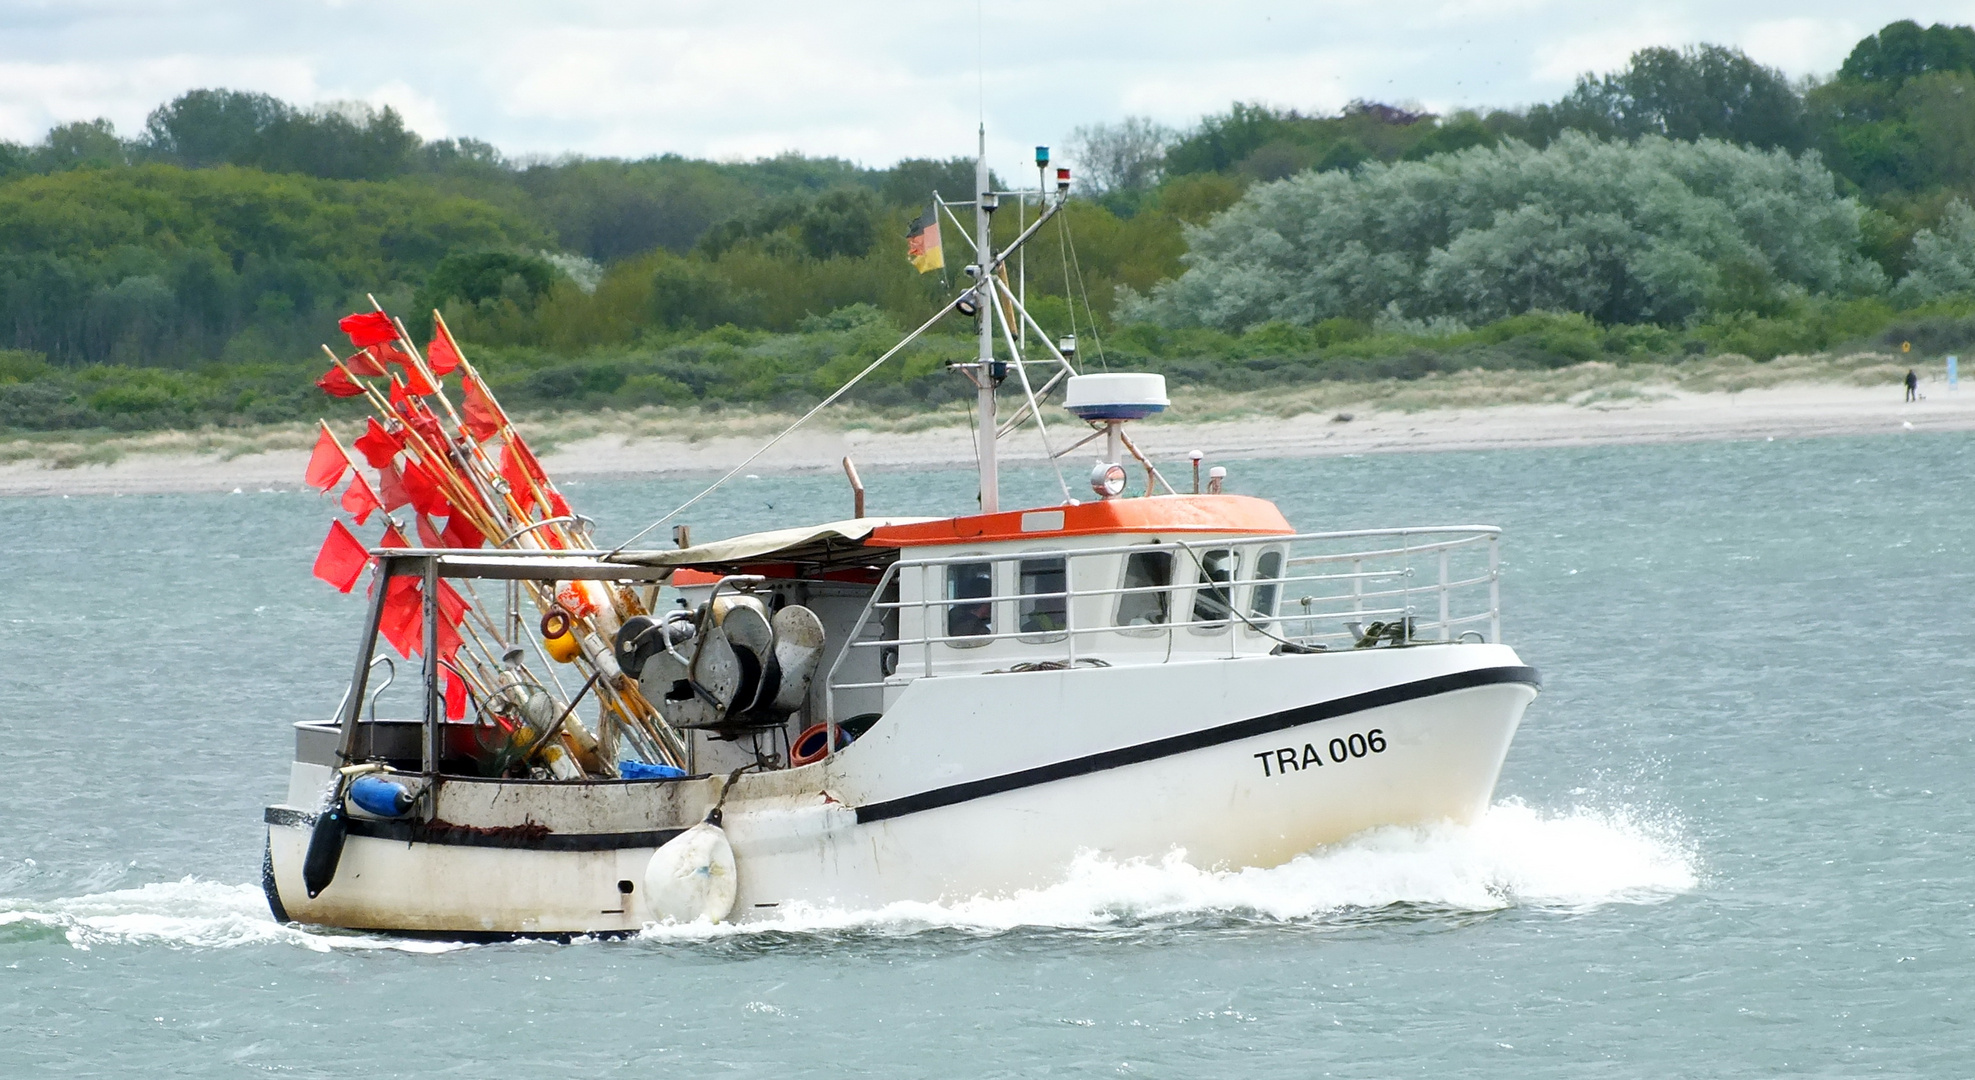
point(1240, 514)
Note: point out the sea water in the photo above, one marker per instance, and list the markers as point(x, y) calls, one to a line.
point(1733, 838)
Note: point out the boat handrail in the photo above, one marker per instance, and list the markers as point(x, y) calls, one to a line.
point(1410, 584)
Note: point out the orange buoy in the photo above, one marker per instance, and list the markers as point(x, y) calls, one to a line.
point(812, 745)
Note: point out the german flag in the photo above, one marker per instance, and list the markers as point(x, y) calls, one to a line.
point(922, 245)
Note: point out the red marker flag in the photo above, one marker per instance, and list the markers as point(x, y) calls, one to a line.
point(392, 487)
point(428, 535)
point(416, 384)
point(367, 328)
point(481, 417)
point(336, 384)
point(460, 533)
point(424, 491)
point(359, 500)
point(377, 445)
point(342, 558)
point(403, 620)
point(326, 463)
point(362, 362)
point(449, 639)
point(515, 472)
point(452, 606)
point(455, 696)
point(440, 356)
point(422, 419)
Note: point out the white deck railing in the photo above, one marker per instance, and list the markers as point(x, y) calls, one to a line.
point(1430, 584)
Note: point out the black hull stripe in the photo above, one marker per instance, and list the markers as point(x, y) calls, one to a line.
point(1196, 740)
point(489, 937)
point(406, 832)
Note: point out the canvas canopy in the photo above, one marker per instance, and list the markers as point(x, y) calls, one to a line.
point(834, 544)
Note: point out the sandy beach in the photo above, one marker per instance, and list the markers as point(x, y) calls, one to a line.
point(1791, 411)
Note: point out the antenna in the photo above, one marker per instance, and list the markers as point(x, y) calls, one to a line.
point(985, 373)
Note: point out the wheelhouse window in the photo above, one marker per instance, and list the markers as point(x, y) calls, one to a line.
point(971, 588)
point(1151, 571)
point(1268, 571)
point(1043, 603)
point(1213, 602)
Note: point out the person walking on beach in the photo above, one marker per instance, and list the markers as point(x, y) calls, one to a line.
point(1912, 385)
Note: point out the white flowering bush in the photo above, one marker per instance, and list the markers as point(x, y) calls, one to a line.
point(1646, 231)
point(1943, 259)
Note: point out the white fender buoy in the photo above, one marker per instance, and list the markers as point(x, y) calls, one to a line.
point(691, 878)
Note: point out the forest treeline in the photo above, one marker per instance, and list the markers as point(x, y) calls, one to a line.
point(1693, 201)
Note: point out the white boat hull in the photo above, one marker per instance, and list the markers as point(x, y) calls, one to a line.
point(965, 788)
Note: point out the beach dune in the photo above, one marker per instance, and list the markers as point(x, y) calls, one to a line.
point(1791, 411)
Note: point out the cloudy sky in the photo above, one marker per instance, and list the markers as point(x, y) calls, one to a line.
point(864, 80)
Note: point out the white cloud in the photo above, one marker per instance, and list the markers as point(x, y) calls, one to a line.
point(421, 113)
point(864, 79)
point(1801, 46)
point(36, 95)
point(1605, 48)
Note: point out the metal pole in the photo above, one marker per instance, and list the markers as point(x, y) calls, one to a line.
point(1022, 267)
point(1446, 630)
point(925, 625)
point(353, 705)
point(984, 286)
point(856, 487)
point(1070, 608)
point(429, 751)
point(1495, 590)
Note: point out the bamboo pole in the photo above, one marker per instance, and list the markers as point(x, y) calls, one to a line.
point(475, 492)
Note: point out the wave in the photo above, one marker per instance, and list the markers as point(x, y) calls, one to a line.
point(1514, 857)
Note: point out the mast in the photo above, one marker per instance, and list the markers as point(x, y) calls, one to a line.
point(984, 380)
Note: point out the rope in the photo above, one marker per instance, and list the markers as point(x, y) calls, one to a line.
point(820, 406)
point(1085, 293)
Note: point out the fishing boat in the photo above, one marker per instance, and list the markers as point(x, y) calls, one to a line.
point(869, 710)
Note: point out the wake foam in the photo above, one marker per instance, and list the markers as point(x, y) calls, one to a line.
point(187, 913)
point(1515, 857)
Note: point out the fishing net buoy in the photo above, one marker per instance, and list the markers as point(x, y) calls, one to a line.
point(558, 636)
point(691, 878)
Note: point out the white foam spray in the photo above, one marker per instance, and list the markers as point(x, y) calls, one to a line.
point(1514, 857)
point(188, 913)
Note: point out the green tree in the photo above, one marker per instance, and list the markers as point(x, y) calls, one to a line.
point(913, 181)
point(1706, 91)
point(1902, 50)
point(349, 141)
point(83, 144)
point(840, 223)
point(476, 277)
point(1125, 156)
point(203, 128)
